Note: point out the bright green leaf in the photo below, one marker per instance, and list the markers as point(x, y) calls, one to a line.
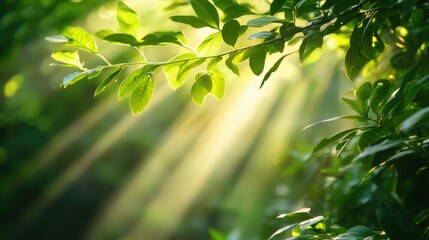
point(103, 85)
point(57, 39)
point(79, 38)
point(213, 62)
point(73, 78)
point(211, 44)
point(177, 72)
point(141, 95)
point(273, 69)
point(201, 88)
point(69, 58)
point(128, 20)
point(103, 33)
point(122, 38)
point(135, 79)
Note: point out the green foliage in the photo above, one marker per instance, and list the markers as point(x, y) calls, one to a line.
point(366, 165)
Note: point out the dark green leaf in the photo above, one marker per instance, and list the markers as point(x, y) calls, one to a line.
point(224, 4)
point(236, 11)
point(273, 69)
point(103, 85)
point(366, 38)
point(384, 145)
point(355, 105)
point(363, 93)
point(355, 61)
point(326, 141)
point(257, 61)
point(380, 94)
point(161, 38)
point(309, 44)
point(396, 221)
point(359, 118)
point(122, 38)
point(262, 35)
point(371, 136)
point(403, 60)
point(201, 88)
point(195, 22)
point(276, 5)
point(262, 21)
point(79, 38)
point(414, 120)
point(287, 31)
point(128, 19)
point(141, 95)
point(206, 11)
point(231, 32)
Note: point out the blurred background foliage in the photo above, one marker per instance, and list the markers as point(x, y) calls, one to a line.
point(77, 167)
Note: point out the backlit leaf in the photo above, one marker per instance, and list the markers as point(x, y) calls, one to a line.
point(133, 80)
point(273, 69)
point(103, 85)
point(128, 19)
point(201, 88)
point(122, 38)
point(70, 58)
point(79, 38)
point(160, 38)
point(141, 95)
point(211, 44)
point(73, 78)
point(219, 85)
point(177, 72)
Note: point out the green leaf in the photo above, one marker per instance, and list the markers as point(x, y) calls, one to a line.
point(224, 4)
point(257, 61)
point(141, 95)
point(194, 21)
point(396, 221)
point(363, 94)
point(103, 33)
point(412, 121)
point(276, 5)
point(283, 229)
point(57, 39)
point(128, 19)
point(219, 85)
point(236, 11)
point(371, 136)
point(135, 79)
point(103, 85)
point(309, 44)
point(232, 64)
point(273, 69)
point(359, 118)
point(69, 58)
point(231, 32)
point(206, 11)
point(355, 61)
point(73, 78)
point(380, 94)
point(213, 62)
point(79, 38)
point(356, 106)
point(201, 88)
point(216, 235)
point(262, 35)
point(160, 38)
point(326, 141)
point(211, 44)
point(177, 72)
point(262, 21)
point(123, 38)
point(384, 145)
